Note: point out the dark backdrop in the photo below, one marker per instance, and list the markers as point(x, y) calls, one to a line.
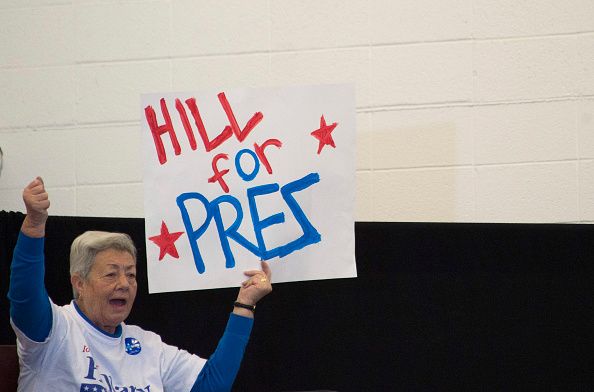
point(435, 307)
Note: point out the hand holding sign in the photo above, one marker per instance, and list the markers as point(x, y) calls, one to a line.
point(278, 187)
point(255, 288)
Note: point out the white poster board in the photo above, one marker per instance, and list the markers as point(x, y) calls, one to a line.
point(237, 176)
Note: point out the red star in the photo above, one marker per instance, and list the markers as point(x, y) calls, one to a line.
point(166, 241)
point(324, 134)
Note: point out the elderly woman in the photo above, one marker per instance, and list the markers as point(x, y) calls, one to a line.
point(85, 345)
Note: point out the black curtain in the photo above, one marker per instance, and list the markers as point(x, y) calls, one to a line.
point(435, 307)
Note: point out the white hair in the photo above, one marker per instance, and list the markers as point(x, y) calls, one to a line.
point(86, 246)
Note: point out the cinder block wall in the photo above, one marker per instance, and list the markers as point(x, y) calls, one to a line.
point(468, 110)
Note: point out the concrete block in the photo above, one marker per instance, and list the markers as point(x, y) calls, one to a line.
point(36, 97)
point(119, 31)
point(34, 37)
point(314, 24)
point(232, 71)
point(525, 69)
point(108, 155)
point(364, 140)
point(417, 74)
point(538, 193)
point(585, 11)
point(586, 191)
point(585, 76)
point(208, 27)
point(364, 197)
point(528, 132)
point(7, 4)
point(324, 67)
point(62, 200)
point(422, 137)
point(509, 18)
point(111, 92)
point(122, 200)
point(585, 120)
point(427, 195)
point(12, 199)
point(28, 154)
point(419, 21)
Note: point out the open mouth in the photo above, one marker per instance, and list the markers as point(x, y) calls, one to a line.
point(117, 302)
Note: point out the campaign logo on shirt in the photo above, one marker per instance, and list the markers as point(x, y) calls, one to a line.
point(92, 388)
point(107, 379)
point(132, 346)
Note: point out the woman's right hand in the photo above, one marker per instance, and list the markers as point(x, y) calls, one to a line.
point(36, 203)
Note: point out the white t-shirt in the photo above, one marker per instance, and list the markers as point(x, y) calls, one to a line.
point(76, 356)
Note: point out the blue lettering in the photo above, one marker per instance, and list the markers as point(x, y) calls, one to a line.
point(231, 232)
point(310, 234)
point(109, 382)
point(242, 174)
point(193, 235)
point(213, 211)
point(91, 374)
point(260, 225)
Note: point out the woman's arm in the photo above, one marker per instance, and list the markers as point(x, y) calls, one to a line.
point(30, 309)
point(220, 370)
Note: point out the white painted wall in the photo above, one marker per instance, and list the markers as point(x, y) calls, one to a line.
point(468, 110)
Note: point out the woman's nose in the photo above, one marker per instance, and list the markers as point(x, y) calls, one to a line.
point(123, 281)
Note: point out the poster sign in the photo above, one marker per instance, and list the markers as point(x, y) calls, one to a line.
point(232, 177)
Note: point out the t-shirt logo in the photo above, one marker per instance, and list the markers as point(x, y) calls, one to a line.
point(106, 379)
point(132, 346)
point(92, 388)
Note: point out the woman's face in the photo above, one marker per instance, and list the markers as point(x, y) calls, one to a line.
point(107, 295)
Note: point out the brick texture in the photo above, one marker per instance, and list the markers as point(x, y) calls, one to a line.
point(467, 110)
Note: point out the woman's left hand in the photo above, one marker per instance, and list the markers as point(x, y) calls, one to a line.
point(256, 286)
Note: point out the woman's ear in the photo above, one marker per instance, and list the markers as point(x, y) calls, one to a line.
point(77, 283)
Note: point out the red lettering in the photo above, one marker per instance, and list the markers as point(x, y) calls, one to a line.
point(208, 144)
point(251, 124)
point(158, 130)
point(184, 118)
point(218, 175)
point(260, 152)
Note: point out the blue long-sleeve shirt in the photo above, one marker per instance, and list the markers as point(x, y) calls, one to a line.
point(31, 313)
